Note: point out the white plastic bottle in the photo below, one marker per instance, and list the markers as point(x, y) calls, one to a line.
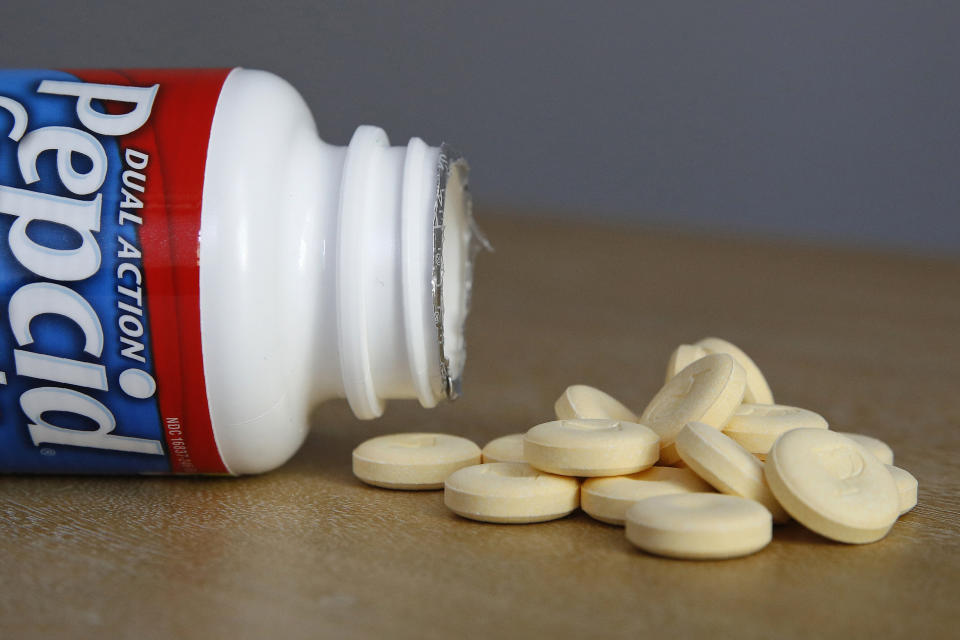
point(233, 270)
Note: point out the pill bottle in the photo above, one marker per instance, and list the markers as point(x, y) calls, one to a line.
point(187, 269)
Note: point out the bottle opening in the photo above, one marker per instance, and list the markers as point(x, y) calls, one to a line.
point(407, 242)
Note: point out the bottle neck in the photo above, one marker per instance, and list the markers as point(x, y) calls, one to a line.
point(405, 242)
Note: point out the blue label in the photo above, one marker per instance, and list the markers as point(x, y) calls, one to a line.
point(77, 390)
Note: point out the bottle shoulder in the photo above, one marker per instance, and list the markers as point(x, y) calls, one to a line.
point(264, 100)
point(262, 267)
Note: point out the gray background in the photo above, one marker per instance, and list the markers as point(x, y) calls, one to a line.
point(818, 121)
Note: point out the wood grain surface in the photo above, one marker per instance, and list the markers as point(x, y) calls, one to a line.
point(868, 340)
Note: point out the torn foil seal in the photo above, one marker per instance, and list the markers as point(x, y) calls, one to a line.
point(451, 160)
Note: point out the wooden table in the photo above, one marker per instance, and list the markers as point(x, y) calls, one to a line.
point(869, 340)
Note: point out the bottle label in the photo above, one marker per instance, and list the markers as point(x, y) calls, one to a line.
point(101, 184)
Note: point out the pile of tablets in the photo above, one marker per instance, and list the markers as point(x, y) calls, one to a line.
point(704, 472)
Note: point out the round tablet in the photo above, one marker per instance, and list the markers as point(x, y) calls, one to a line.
point(727, 466)
point(758, 391)
point(755, 427)
point(681, 358)
point(582, 401)
point(709, 390)
point(412, 460)
point(906, 488)
point(699, 526)
point(832, 485)
point(880, 449)
point(584, 447)
point(510, 492)
point(607, 499)
point(505, 449)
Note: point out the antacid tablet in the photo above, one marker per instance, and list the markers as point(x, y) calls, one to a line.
point(505, 449)
point(755, 427)
point(727, 466)
point(582, 401)
point(607, 499)
point(412, 460)
point(699, 526)
point(510, 492)
point(681, 358)
point(708, 391)
point(584, 447)
point(758, 391)
point(880, 449)
point(833, 485)
point(906, 488)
